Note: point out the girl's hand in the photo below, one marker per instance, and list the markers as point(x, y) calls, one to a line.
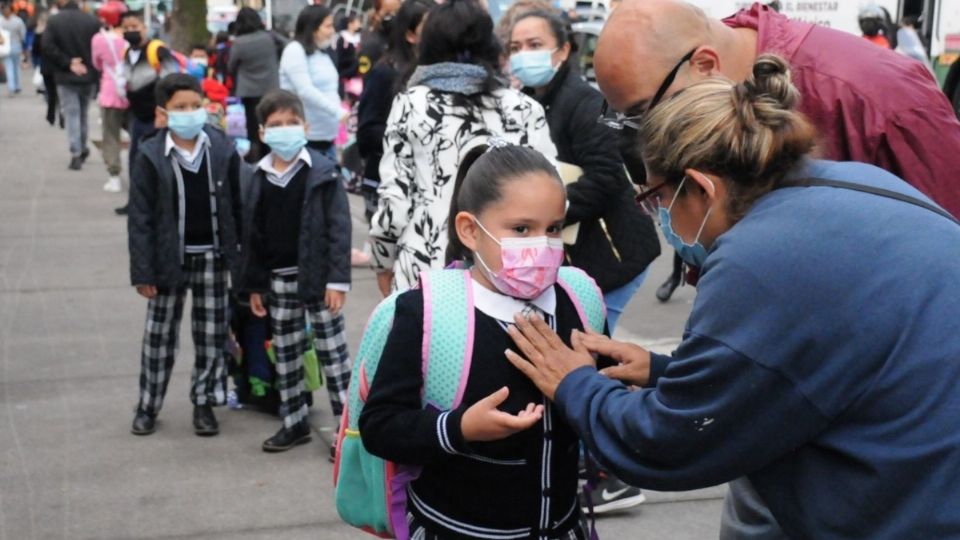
point(147, 291)
point(256, 305)
point(484, 422)
point(334, 300)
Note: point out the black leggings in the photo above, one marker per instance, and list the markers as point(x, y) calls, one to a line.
point(50, 89)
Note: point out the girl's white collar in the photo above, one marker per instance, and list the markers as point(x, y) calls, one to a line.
point(503, 307)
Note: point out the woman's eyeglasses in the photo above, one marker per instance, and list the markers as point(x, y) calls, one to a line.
point(617, 120)
point(651, 200)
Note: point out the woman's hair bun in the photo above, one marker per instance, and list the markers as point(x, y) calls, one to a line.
point(771, 80)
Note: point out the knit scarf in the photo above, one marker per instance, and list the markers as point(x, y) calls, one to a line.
point(466, 79)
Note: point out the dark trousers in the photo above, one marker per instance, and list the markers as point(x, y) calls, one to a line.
point(53, 104)
point(138, 130)
point(253, 129)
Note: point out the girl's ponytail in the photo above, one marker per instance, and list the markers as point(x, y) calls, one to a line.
point(456, 251)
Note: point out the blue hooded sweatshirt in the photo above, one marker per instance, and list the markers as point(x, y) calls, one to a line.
point(821, 359)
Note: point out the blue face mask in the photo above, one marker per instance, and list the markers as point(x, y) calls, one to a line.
point(694, 254)
point(187, 125)
point(285, 141)
point(533, 68)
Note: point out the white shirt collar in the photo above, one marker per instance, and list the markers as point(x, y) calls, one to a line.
point(503, 307)
point(283, 178)
point(202, 141)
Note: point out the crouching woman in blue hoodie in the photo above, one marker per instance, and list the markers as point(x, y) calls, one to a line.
point(814, 362)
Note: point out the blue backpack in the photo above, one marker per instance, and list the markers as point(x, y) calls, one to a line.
point(370, 492)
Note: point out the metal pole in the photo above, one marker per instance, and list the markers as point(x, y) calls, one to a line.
point(148, 17)
point(268, 6)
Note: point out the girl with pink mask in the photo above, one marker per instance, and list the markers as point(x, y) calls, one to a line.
point(502, 463)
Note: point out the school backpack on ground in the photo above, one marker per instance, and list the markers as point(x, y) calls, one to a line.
point(370, 492)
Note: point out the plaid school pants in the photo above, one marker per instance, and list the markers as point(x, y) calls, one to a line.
point(288, 322)
point(206, 279)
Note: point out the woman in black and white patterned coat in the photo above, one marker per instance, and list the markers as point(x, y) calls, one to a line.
point(454, 101)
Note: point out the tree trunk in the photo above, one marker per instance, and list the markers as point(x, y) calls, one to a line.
point(188, 24)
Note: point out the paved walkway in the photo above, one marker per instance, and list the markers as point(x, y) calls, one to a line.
point(70, 329)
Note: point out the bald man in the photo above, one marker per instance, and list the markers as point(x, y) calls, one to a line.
point(868, 104)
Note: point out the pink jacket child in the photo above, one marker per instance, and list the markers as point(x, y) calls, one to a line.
point(107, 51)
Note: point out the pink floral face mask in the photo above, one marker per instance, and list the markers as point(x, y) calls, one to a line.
point(529, 265)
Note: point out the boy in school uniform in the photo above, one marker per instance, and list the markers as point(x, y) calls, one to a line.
point(142, 76)
point(297, 260)
point(183, 236)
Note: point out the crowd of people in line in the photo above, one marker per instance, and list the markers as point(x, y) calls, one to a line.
point(803, 191)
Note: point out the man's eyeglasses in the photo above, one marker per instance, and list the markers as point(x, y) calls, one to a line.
point(651, 200)
point(618, 120)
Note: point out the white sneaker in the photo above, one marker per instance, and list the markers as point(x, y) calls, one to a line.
point(113, 185)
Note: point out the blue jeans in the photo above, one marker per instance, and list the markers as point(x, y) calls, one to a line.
point(74, 103)
point(12, 65)
point(617, 299)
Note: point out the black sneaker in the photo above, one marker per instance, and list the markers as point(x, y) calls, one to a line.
point(84, 155)
point(286, 439)
point(120, 210)
point(143, 423)
point(665, 291)
point(75, 163)
point(204, 421)
point(611, 494)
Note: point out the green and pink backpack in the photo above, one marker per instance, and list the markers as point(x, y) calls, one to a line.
point(370, 492)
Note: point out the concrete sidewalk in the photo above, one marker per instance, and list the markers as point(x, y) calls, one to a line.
point(70, 330)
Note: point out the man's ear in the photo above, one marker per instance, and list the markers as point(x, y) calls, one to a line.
point(467, 230)
point(261, 131)
point(161, 115)
point(706, 62)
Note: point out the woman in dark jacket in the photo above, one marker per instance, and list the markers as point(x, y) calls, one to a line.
point(381, 85)
point(616, 241)
point(254, 64)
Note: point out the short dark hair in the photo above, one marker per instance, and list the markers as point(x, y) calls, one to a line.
point(131, 15)
point(480, 179)
point(199, 46)
point(173, 83)
point(309, 19)
point(461, 31)
point(279, 100)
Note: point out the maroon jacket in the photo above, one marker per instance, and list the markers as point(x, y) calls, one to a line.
point(868, 104)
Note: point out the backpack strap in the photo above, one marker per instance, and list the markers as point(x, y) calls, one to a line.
point(368, 359)
point(586, 297)
point(448, 336)
point(153, 53)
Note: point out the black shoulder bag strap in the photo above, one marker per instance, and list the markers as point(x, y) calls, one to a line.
point(821, 182)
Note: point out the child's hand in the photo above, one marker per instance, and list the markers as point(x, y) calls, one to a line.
point(484, 422)
point(147, 291)
point(334, 300)
point(256, 305)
